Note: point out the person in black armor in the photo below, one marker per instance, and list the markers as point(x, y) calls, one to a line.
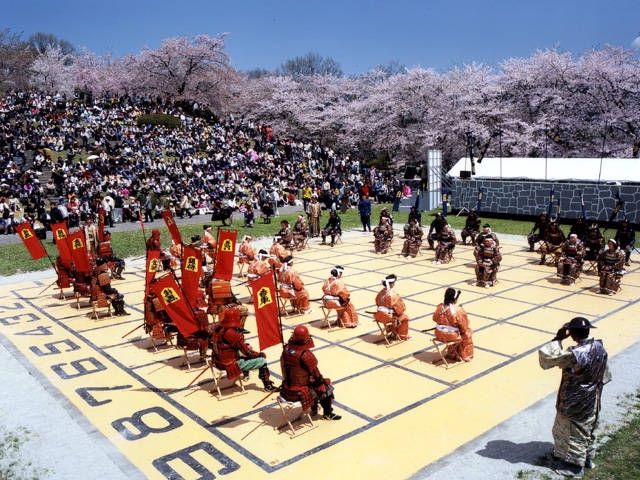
point(580, 228)
point(626, 239)
point(332, 228)
point(593, 242)
point(541, 226)
point(437, 225)
point(301, 379)
point(414, 214)
point(471, 228)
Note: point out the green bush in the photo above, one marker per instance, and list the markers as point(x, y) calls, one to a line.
point(154, 119)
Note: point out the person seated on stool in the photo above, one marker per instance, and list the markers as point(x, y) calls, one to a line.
point(383, 236)
point(450, 314)
point(488, 258)
point(233, 354)
point(553, 240)
point(435, 228)
point(611, 268)
point(336, 295)
point(301, 379)
point(541, 226)
point(300, 232)
point(292, 287)
point(332, 228)
point(391, 310)
point(570, 263)
point(413, 239)
point(446, 243)
point(471, 228)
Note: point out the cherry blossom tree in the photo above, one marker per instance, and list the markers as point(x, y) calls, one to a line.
point(391, 112)
point(183, 68)
point(50, 71)
point(609, 80)
point(540, 101)
point(89, 72)
point(15, 60)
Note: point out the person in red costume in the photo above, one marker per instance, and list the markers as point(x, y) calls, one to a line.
point(209, 245)
point(291, 286)
point(301, 378)
point(260, 265)
point(233, 354)
point(246, 251)
point(392, 310)
point(336, 295)
point(450, 314)
point(278, 252)
point(153, 243)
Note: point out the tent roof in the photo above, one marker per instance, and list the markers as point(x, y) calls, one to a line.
point(624, 170)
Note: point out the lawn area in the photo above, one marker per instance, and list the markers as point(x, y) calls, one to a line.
point(131, 243)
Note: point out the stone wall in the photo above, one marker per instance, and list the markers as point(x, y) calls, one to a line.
point(527, 198)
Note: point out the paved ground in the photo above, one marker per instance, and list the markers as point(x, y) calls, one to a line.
point(78, 385)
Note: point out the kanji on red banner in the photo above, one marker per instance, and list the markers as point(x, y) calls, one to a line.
point(191, 273)
point(153, 265)
point(175, 304)
point(265, 304)
point(78, 248)
point(30, 240)
point(225, 255)
point(173, 228)
point(60, 234)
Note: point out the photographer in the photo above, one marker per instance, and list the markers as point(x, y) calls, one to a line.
point(584, 373)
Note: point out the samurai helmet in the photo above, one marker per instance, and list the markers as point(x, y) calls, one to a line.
point(302, 337)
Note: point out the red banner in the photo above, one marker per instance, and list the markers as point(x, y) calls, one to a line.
point(175, 304)
point(78, 248)
point(265, 304)
point(101, 215)
point(191, 273)
point(60, 234)
point(30, 240)
point(153, 265)
point(226, 253)
point(173, 228)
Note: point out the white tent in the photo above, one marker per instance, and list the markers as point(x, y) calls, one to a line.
point(623, 170)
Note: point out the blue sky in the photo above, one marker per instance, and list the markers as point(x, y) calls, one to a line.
point(358, 34)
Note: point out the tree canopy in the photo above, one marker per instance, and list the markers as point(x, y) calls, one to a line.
point(549, 103)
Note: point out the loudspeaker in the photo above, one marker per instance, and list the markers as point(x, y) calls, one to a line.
point(465, 174)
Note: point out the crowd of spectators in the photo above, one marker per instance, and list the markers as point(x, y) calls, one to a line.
point(100, 156)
